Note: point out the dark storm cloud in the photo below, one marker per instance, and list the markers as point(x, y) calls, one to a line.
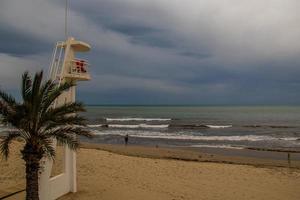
point(132, 30)
point(195, 54)
point(142, 35)
point(208, 51)
point(154, 41)
point(20, 44)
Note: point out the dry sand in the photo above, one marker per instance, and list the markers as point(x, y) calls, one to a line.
point(110, 176)
point(12, 176)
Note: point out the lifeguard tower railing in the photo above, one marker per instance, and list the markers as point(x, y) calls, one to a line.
point(76, 68)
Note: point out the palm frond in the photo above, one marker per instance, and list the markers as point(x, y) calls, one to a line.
point(26, 86)
point(84, 132)
point(47, 148)
point(46, 88)
point(4, 144)
point(64, 137)
point(18, 118)
point(55, 93)
point(64, 114)
point(36, 86)
point(7, 111)
point(7, 106)
point(35, 100)
point(66, 120)
point(8, 99)
point(66, 109)
point(73, 130)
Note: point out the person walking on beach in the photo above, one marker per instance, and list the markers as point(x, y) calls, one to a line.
point(126, 139)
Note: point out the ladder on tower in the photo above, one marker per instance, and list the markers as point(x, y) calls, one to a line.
point(57, 62)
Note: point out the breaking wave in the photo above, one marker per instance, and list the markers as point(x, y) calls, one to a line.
point(199, 137)
point(222, 146)
point(95, 125)
point(137, 119)
point(130, 126)
point(153, 126)
point(138, 126)
point(215, 126)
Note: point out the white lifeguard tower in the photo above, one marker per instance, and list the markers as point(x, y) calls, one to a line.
point(65, 67)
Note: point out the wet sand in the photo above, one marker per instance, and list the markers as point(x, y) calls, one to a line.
point(216, 155)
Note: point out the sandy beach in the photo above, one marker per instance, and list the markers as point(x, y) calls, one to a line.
point(116, 172)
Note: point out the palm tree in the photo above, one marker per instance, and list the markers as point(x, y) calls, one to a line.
point(37, 123)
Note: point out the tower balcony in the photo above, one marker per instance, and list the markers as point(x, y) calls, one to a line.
point(78, 69)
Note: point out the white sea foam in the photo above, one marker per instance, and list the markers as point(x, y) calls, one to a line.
point(219, 126)
point(211, 138)
point(290, 139)
point(223, 146)
point(95, 125)
point(200, 137)
point(237, 138)
point(130, 126)
point(143, 134)
point(153, 125)
point(138, 126)
point(138, 119)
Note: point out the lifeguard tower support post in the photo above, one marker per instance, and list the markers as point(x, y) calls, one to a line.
point(65, 67)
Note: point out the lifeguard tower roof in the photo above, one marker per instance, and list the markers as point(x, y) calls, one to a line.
point(80, 46)
point(77, 45)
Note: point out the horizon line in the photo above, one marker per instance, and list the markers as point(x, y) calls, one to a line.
point(208, 105)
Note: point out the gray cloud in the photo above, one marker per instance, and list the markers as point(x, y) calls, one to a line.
point(16, 43)
point(208, 51)
point(12, 68)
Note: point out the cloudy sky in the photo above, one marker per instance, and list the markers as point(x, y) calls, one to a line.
point(163, 51)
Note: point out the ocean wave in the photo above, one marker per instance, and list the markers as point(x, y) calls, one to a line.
point(252, 138)
point(138, 119)
point(144, 134)
point(138, 126)
point(129, 126)
point(135, 126)
point(196, 126)
point(268, 126)
point(219, 126)
point(290, 139)
point(200, 137)
point(95, 125)
point(222, 146)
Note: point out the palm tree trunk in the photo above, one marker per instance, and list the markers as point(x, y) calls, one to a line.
point(32, 179)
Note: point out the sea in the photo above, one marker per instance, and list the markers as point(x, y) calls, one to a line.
point(233, 127)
